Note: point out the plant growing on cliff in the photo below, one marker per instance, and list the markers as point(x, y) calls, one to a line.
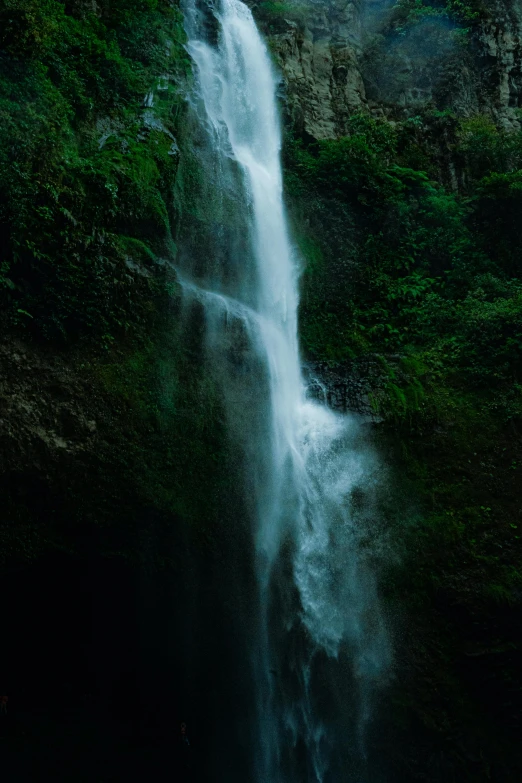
point(81, 165)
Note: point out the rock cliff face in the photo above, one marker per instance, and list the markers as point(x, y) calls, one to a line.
point(338, 58)
point(319, 59)
point(467, 67)
point(448, 82)
point(499, 42)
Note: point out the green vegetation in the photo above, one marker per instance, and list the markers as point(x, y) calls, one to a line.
point(91, 111)
point(91, 187)
point(144, 458)
point(425, 270)
point(271, 12)
point(409, 12)
point(413, 266)
point(423, 279)
point(86, 170)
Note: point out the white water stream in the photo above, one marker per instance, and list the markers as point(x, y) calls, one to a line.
point(325, 600)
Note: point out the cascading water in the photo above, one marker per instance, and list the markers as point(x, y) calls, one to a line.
point(319, 641)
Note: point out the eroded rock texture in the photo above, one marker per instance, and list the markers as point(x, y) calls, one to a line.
point(319, 60)
point(337, 58)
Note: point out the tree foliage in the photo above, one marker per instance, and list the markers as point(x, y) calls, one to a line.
point(426, 264)
point(83, 163)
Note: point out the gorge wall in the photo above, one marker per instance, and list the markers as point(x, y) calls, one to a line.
point(119, 486)
point(395, 60)
point(426, 94)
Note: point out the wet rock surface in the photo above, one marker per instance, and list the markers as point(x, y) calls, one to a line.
point(344, 57)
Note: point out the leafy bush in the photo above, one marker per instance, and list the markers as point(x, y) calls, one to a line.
point(424, 285)
point(270, 12)
point(81, 163)
point(425, 264)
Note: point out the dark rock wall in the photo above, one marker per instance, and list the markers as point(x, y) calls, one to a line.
point(342, 57)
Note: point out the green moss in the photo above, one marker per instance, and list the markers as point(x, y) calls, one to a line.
point(411, 12)
point(270, 12)
point(422, 284)
point(90, 163)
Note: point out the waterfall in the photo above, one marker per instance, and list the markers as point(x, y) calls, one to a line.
point(320, 642)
